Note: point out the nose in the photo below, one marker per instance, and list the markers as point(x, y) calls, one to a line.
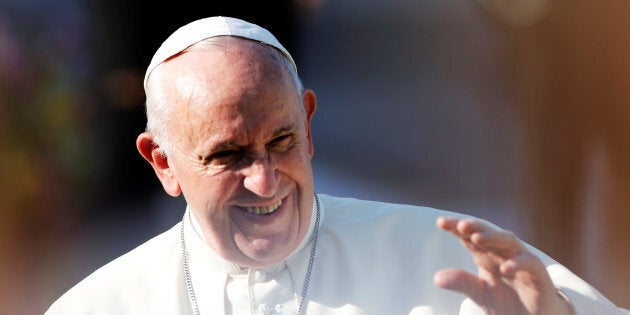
point(261, 177)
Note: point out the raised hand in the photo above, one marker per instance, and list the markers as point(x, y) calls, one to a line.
point(510, 279)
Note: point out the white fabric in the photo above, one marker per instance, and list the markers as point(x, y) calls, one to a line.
point(372, 258)
point(275, 289)
point(201, 29)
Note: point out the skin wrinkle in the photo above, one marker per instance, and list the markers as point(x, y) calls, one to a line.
point(243, 101)
point(248, 183)
point(158, 113)
point(243, 95)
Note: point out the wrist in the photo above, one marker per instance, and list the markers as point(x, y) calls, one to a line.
point(567, 302)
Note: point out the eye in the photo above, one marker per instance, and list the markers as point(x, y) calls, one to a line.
point(223, 158)
point(281, 143)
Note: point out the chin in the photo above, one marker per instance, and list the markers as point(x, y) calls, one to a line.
point(268, 256)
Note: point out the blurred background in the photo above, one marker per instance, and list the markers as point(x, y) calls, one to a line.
point(514, 111)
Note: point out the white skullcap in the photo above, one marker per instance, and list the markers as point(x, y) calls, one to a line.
point(199, 30)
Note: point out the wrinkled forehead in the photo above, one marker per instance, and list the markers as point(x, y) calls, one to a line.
point(226, 70)
point(199, 30)
point(229, 92)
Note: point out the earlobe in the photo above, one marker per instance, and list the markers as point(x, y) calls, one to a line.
point(150, 151)
point(310, 106)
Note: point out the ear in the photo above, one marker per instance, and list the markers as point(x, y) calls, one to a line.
point(151, 152)
point(310, 105)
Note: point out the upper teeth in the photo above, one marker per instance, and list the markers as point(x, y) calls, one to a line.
point(264, 210)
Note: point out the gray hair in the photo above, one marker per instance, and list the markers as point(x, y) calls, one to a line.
point(159, 112)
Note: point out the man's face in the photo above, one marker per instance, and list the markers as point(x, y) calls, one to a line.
point(242, 150)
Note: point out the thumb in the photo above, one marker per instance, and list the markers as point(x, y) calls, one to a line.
point(460, 281)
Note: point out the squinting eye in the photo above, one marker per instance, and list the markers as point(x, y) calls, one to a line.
point(281, 143)
point(224, 158)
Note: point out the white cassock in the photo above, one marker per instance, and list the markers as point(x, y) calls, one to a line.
point(371, 258)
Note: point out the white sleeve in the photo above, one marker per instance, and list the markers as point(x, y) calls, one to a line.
point(585, 298)
point(470, 308)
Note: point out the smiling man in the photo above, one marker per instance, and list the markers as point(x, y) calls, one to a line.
point(239, 147)
point(229, 127)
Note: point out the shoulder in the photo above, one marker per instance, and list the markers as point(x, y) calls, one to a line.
point(136, 262)
point(121, 278)
point(397, 229)
point(394, 245)
point(342, 211)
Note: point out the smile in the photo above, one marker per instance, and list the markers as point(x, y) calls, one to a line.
point(264, 210)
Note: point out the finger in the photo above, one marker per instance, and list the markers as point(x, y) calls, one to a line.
point(447, 223)
point(482, 236)
point(502, 243)
point(525, 266)
point(462, 228)
point(450, 224)
point(460, 281)
point(471, 226)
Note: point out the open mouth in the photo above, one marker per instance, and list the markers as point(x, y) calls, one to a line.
point(264, 210)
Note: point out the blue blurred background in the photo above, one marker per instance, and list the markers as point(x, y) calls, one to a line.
point(517, 113)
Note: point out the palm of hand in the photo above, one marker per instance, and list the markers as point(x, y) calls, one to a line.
point(510, 279)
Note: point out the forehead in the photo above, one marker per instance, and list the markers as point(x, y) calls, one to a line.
point(232, 88)
point(224, 67)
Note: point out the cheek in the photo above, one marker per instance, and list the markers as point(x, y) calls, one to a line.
point(185, 176)
point(195, 183)
point(291, 158)
point(296, 164)
point(216, 188)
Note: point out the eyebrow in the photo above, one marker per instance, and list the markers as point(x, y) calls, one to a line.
point(285, 130)
point(230, 144)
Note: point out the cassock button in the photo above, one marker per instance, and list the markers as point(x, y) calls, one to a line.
point(260, 276)
point(264, 309)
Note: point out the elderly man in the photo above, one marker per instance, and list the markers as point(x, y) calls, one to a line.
point(229, 127)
